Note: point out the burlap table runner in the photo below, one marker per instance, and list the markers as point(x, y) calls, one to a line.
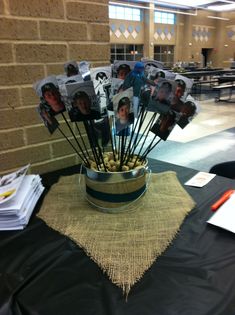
point(124, 245)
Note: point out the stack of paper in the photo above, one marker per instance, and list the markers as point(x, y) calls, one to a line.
point(19, 194)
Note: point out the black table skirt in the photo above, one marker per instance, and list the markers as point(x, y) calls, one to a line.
point(44, 273)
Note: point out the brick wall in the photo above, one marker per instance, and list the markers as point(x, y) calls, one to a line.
point(36, 39)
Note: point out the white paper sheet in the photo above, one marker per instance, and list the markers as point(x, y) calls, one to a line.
point(224, 217)
point(200, 179)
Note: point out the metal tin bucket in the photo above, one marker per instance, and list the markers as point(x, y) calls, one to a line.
point(114, 191)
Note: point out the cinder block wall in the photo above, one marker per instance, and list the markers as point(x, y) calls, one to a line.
point(36, 39)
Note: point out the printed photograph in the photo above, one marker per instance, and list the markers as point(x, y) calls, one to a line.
point(101, 79)
point(71, 68)
point(83, 100)
point(123, 109)
point(161, 97)
point(164, 125)
point(121, 68)
point(49, 121)
point(184, 86)
point(102, 131)
point(48, 91)
point(187, 113)
point(122, 71)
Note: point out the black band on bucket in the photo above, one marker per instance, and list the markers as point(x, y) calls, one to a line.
point(115, 197)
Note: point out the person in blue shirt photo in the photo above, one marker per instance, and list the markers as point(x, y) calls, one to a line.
point(137, 80)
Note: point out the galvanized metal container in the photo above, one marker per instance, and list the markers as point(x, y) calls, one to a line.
point(114, 191)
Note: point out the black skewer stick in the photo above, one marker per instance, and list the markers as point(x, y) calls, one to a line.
point(119, 146)
point(81, 137)
point(138, 126)
point(122, 149)
point(148, 128)
point(111, 139)
point(114, 137)
point(138, 139)
point(150, 148)
point(130, 140)
point(96, 142)
point(81, 157)
point(71, 130)
point(95, 155)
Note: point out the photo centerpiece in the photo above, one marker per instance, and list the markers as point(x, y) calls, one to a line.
point(115, 116)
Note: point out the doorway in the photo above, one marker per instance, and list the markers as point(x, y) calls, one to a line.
point(206, 53)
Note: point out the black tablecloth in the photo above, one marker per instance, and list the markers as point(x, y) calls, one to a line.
point(43, 272)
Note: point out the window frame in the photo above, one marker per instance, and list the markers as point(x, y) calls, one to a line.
point(165, 54)
point(164, 17)
point(126, 54)
point(125, 13)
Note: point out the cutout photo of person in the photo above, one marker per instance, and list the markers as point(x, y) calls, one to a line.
point(185, 84)
point(122, 71)
point(101, 77)
point(48, 91)
point(164, 125)
point(161, 98)
point(102, 130)
point(188, 111)
point(82, 102)
point(84, 69)
point(71, 68)
point(124, 115)
point(81, 108)
point(52, 97)
point(101, 80)
point(49, 121)
point(176, 100)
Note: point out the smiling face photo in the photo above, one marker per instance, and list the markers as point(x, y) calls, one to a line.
point(123, 109)
point(124, 116)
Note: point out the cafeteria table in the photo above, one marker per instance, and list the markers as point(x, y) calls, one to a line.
point(43, 272)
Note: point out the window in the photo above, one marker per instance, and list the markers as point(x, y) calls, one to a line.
point(164, 53)
point(124, 13)
point(164, 17)
point(126, 52)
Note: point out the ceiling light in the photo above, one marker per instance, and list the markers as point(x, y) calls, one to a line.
point(219, 8)
point(217, 18)
point(182, 2)
point(176, 11)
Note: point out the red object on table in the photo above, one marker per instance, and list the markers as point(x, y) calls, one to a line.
point(222, 200)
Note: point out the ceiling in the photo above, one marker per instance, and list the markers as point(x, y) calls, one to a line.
point(216, 6)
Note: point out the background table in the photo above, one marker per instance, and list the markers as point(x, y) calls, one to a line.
point(43, 272)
